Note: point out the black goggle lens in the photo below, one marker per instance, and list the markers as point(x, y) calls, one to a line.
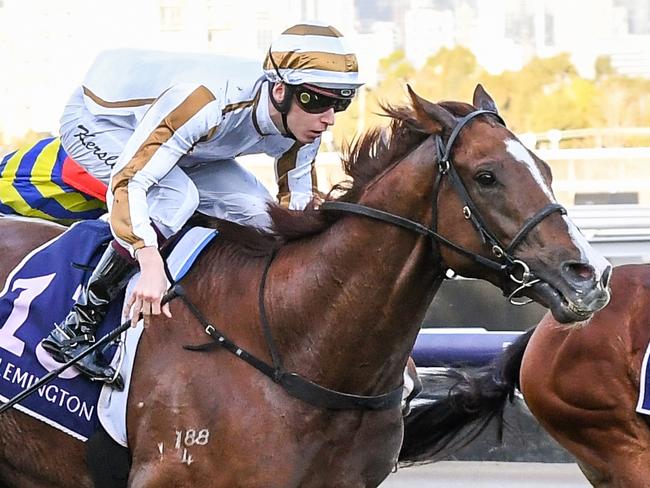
point(316, 103)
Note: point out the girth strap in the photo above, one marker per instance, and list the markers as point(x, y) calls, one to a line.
point(294, 384)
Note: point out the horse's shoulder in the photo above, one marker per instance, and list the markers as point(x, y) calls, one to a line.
point(631, 278)
point(20, 235)
point(27, 233)
point(30, 224)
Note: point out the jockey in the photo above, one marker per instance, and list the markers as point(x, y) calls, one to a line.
point(162, 130)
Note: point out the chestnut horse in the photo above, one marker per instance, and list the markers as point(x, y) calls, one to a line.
point(581, 381)
point(449, 186)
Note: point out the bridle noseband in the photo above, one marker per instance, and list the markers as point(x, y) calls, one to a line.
point(509, 267)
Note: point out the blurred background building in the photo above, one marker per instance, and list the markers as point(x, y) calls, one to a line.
point(46, 47)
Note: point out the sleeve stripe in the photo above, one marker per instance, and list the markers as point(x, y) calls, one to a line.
point(234, 106)
point(136, 102)
point(120, 212)
point(286, 163)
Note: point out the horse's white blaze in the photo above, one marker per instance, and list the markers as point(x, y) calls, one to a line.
point(587, 252)
point(521, 154)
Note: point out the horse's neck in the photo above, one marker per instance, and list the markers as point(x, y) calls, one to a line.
point(347, 305)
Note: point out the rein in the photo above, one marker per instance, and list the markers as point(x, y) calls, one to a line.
point(294, 384)
point(505, 264)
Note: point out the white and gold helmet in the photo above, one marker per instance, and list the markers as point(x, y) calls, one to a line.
point(315, 55)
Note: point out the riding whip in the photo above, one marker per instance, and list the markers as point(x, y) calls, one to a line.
point(170, 295)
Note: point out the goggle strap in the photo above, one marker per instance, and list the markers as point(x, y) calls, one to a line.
point(275, 66)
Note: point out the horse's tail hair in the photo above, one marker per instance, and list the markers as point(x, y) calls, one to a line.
point(443, 423)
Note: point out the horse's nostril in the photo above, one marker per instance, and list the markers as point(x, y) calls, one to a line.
point(581, 271)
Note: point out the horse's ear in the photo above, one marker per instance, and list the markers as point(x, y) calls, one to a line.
point(433, 117)
point(482, 100)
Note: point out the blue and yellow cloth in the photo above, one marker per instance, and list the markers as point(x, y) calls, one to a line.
point(43, 181)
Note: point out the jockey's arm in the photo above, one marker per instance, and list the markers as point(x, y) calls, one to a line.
point(174, 123)
point(296, 175)
point(170, 128)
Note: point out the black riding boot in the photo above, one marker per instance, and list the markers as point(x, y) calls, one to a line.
point(77, 332)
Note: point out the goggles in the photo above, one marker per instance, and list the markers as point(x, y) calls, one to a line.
point(317, 103)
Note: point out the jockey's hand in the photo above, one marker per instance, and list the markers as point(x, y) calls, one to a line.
point(316, 200)
point(150, 288)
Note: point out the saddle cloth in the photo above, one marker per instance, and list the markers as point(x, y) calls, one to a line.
point(643, 405)
point(41, 291)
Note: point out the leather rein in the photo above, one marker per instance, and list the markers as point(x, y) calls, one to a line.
point(319, 396)
point(294, 384)
point(504, 263)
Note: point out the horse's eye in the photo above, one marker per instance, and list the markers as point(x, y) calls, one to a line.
point(485, 178)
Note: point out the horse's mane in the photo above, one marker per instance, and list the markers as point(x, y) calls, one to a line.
point(363, 160)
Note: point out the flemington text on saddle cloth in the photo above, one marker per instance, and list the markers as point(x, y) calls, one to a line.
point(41, 291)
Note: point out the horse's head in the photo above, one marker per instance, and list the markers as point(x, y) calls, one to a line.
point(494, 199)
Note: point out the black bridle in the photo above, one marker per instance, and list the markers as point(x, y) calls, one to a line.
point(299, 387)
point(509, 267)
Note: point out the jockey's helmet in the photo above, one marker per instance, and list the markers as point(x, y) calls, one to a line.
point(315, 63)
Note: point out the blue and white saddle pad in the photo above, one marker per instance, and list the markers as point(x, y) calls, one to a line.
point(41, 291)
point(643, 405)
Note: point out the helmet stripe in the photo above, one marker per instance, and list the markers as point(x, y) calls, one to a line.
point(337, 45)
point(313, 30)
point(344, 63)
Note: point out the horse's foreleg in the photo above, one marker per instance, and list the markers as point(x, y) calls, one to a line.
point(596, 479)
point(151, 477)
point(631, 470)
point(624, 470)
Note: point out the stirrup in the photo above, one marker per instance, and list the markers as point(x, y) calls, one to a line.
point(66, 348)
point(95, 371)
point(63, 337)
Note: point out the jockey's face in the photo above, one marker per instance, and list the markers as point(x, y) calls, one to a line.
point(304, 125)
point(307, 126)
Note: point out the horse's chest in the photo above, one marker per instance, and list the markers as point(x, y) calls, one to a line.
point(348, 450)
